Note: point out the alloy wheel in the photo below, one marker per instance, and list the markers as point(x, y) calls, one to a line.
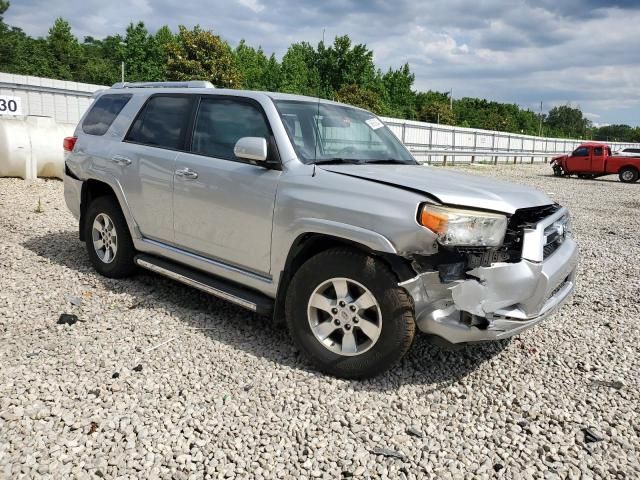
point(104, 237)
point(344, 316)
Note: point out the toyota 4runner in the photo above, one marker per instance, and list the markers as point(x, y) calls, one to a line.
point(313, 212)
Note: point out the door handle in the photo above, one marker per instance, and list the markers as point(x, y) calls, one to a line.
point(187, 173)
point(120, 160)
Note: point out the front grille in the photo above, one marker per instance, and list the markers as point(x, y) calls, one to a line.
point(529, 217)
point(552, 247)
point(522, 219)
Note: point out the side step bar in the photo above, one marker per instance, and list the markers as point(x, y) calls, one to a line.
point(220, 288)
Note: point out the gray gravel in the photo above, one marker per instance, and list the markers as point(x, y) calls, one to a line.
point(228, 395)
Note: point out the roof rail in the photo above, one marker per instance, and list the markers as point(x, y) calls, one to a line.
point(189, 84)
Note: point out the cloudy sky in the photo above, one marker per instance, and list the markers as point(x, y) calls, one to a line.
point(583, 52)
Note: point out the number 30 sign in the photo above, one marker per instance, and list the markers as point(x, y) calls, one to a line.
point(10, 105)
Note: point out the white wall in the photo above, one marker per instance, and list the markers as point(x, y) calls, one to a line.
point(63, 101)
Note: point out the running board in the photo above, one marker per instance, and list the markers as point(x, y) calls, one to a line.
point(249, 299)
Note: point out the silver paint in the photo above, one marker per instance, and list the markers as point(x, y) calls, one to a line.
point(239, 221)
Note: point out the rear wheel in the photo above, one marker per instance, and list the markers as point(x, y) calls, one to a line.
point(628, 174)
point(346, 312)
point(108, 241)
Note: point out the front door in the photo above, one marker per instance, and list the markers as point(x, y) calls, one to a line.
point(579, 161)
point(223, 206)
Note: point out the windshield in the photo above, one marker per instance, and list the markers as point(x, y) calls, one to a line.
point(323, 132)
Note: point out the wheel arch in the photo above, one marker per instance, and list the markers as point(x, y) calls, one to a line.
point(94, 188)
point(629, 165)
point(309, 244)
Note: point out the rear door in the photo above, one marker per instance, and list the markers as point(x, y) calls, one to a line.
point(223, 206)
point(146, 161)
point(579, 161)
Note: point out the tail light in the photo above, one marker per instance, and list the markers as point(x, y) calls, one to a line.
point(68, 143)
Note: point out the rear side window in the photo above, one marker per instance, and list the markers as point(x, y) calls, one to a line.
point(221, 122)
point(103, 112)
point(162, 122)
point(598, 151)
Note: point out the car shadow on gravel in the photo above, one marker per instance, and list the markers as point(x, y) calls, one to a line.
point(612, 179)
point(425, 364)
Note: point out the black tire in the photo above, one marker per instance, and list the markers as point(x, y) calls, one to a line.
point(557, 171)
point(628, 174)
point(397, 323)
point(122, 264)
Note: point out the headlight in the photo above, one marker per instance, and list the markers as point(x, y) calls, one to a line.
point(459, 227)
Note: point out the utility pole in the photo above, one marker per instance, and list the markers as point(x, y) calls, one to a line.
point(451, 99)
point(122, 70)
point(540, 128)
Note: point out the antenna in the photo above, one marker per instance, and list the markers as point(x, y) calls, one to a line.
point(315, 146)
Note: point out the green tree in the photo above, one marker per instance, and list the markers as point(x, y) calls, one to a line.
point(568, 121)
point(67, 55)
point(353, 94)
point(437, 112)
point(253, 65)
point(399, 98)
point(299, 72)
point(617, 133)
point(163, 37)
point(200, 55)
point(343, 64)
point(102, 60)
point(273, 75)
point(143, 55)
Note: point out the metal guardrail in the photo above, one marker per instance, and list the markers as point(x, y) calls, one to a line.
point(478, 156)
point(439, 140)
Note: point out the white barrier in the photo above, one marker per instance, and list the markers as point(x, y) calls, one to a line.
point(422, 138)
point(31, 147)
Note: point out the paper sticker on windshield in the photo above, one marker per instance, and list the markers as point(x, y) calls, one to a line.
point(374, 123)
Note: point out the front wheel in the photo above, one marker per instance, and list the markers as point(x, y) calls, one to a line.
point(346, 312)
point(628, 175)
point(557, 171)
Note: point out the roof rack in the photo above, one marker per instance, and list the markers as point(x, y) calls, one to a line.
point(189, 84)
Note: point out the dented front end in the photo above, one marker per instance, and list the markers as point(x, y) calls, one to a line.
point(473, 295)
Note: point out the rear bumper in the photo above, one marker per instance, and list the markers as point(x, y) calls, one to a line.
point(72, 194)
point(498, 301)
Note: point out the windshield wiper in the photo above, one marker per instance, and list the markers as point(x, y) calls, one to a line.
point(389, 161)
point(324, 161)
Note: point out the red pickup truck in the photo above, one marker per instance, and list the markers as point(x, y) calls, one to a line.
point(591, 160)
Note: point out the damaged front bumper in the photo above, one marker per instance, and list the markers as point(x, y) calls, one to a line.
point(501, 300)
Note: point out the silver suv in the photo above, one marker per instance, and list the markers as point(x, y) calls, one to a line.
point(312, 212)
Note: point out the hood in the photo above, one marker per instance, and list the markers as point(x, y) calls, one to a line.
point(452, 188)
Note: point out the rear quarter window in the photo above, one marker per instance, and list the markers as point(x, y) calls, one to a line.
point(103, 112)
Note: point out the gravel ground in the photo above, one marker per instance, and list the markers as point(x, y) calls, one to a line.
point(225, 394)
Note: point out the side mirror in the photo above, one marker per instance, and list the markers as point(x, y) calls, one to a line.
point(251, 148)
